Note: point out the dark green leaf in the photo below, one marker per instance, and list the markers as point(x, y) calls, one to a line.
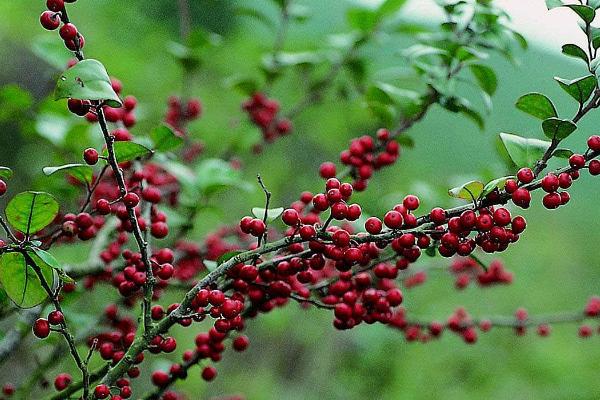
point(43, 258)
point(563, 153)
point(468, 191)
point(6, 173)
point(486, 78)
point(227, 256)
point(272, 213)
point(524, 152)
point(30, 212)
point(87, 80)
point(586, 13)
point(164, 138)
point(362, 19)
point(246, 86)
point(390, 7)
point(81, 172)
point(575, 51)
point(214, 175)
point(405, 141)
point(538, 105)
point(580, 89)
point(127, 151)
point(21, 282)
point(556, 128)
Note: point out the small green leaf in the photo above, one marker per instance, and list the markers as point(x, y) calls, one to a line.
point(272, 213)
point(127, 151)
point(524, 152)
point(498, 183)
point(556, 128)
point(563, 153)
point(165, 138)
point(87, 80)
point(580, 89)
point(586, 13)
point(431, 251)
point(553, 4)
point(214, 175)
point(21, 282)
point(486, 78)
point(227, 256)
point(595, 4)
point(390, 7)
point(6, 173)
point(43, 258)
point(30, 212)
point(469, 191)
point(405, 141)
point(385, 93)
point(538, 105)
point(255, 14)
point(246, 86)
point(81, 172)
point(575, 51)
point(362, 19)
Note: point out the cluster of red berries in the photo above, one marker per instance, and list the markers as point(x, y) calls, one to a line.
point(83, 225)
point(263, 113)
point(52, 19)
point(364, 156)
point(178, 114)
point(466, 269)
point(42, 326)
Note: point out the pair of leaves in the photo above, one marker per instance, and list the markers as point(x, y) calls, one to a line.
point(586, 12)
point(87, 80)
point(540, 106)
point(524, 152)
point(475, 190)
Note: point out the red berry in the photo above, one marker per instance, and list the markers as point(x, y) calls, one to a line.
point(3, 187)
point(258, 227)
point(41, 328)
point(78, 107)
point(550, 183)
point(90, 156)
point(209, 373)
point(68, 32)
point(393, 220)
point(594, 167)
point(101, 391)
point(437, 216)
point(373, 225)
point(521, 197)
point(525, 175)
point(131, 199)
point(241, 343)
point(577, 161)
point(50, 20)
point(159, 230)
point(290, 217)
point(55, 5)
point(341, 238)
point(56, 318)
point(594, 143)
point(129, 103)
point(166, 271)
point(552, 200)
point(327, 170)
point(62, 381)
point(411, 202)
point(502, 217)
point(160, 378)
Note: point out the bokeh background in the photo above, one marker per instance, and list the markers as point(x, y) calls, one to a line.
point(296, 353)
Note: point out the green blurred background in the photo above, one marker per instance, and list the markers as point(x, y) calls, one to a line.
point(296, 354)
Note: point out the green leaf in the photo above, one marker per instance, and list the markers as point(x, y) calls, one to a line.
point(41, 257)
point(30, 212)
point(246, 86)
point(498, 183)
point(537, 105)
point(595, 4)
point(390, 7)
point(214, 175)
point(553, 4)
point(556, 128)
point(362, 19)
point(524, 152)
point(81, 172)
point(521, 40)
point(20, 281)
point(575, 51)
point(227, 256)
point(595, 34)
point(127, 151)
point(586, 13)
point(165, 138)
point(405, 141)
point(385, 93)
point(580, 89)
point(486, 78)
point(52, 51)
point(563, 153)
point(6, 173)
point(255, 14)
point(469, 191)
point(87, 80)
point(272, 213)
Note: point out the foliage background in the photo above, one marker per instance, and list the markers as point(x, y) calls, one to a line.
point(296, 354)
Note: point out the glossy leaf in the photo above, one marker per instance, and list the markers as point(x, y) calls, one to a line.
point(87, 80)
point(44, 258)
point(498, 183)
point(524, 152)
point(580, 89)
point(556, 128)
point(537, 105)
point(575, 51)
point(5, 173)
point(272, 213)
point(486, 78)
point(586, 13)
point(227, 256)
point(469, 191)
point(81, 172)
point(563, 153)
point(214, 175)
point(164, 138)
point(21, 282)
point(30, 212)
point(127, 151)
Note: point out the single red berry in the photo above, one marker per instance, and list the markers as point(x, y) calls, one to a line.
point(594, 167)
point(55, 5)
point(166, 271)
point(373, 225)
point(411, 202)
point(327, 170)
point(502, 216)
point(8, 389)
point(525, 175)
point(103, 207)
point(56, 317)
point(90, 156)
point(593, 143)
point(521, 197)
point(41, 328)
point(129, 103)
point(50, 20)
point(290, 217)
point(258, 227)
point(552, 200)
point(101, 391)
point(159, 230)
point(3, 187)
point(209, 373)
point(577, 161)
point(160, 378)
point(168, 345)
point(393, 220)
point(437, 216)
point(68, 32)
point(307, 232)
point(241, 343)
point(78, 107)
point(341, 238)
point(550, 183)
point(62, 381)
point(131, 199)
